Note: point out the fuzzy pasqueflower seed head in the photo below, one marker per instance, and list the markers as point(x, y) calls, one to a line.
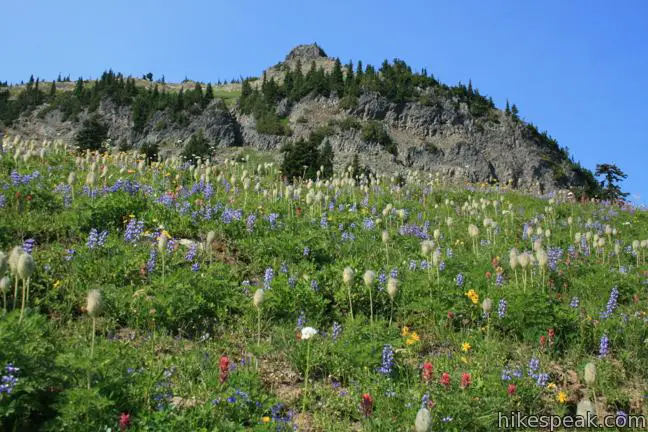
point(25, 266)
point(3, 263)
point(347, 275)
point(423, 420)
point(426, 247)
point(307, 333)
point(71, 178)
point(211, 235)
point(5, 283)
point(487, 305)
point(163, 241)
point(585, 409)
point(94, 302)
point(369, 278)
point(392, 287)
point(513, 258)
point(14, 255)
point(542, 257)
point(473, 231)
point(590, 373)
point(90, 178)
point(258, 298)
point(524, 259)
point(385, 236)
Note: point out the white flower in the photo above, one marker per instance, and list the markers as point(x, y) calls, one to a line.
point(308, 332)
point(423, 420)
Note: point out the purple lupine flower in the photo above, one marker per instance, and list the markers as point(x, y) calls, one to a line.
point(460, 280)
point(267, 278)
point(501, 308)
point(324, 221)
point(394, 273)
point(368, 224)
point(28, 245)
point(150, 265)
point(93, 238)
point(424, 265)
point(449, 252)
point(575, 301)
point(442, 266)
point(301, 320)
point(412, 265)
point(69, 254)
point(191, 253)
point(306, 251)
point(603, 346)
point(292, 281)
point(533, 366)
point(195, 267)
point(251, 220)
point(283, 268)
point(387, 360)
point(554, 255)
point(506, 374)
point(314, 285)
point(134, 230)
point(8, 380)
point(611, 304)
point(542, 379)
point(499, 280)
point(337, 329)
point(272, 219)
point(3, 201)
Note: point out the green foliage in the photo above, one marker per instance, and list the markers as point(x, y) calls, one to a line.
point(374, 132)
point(92, 134)
point(197, 147)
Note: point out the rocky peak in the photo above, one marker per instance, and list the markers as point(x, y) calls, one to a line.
point(306, 52)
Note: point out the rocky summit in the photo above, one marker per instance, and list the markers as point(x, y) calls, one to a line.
point(394, 119)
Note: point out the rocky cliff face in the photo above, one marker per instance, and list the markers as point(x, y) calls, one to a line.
point(442, 138)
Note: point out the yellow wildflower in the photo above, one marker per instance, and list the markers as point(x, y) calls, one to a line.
point(473, 296)
point(464, 360)
point(265, 419)
point(413, 339)
point(561, 397)
point(551, 386)
point(465, 347)
point(405, 331)
point(57, 283)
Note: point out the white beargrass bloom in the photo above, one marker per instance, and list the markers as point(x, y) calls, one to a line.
point(542, 257)
point(473, 231)
point(5, 283)
point(347, 275)
point(487, 305)
point(392, 287)
point(369, 278)
point(90, 178)
point(308, 332)
point(94, 302)
point(423, 420)
point(590, 373)
point(25, 266)
point(426, 247)
point(258, 298)
point(513, 258)
point(14, 256)
point(71, 178)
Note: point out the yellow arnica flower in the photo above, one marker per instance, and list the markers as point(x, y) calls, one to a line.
point(465, 347)
point(561, 397)
point(473, 296)
point(413, 339)
point(551, 386)
point(265, 419)
point(57, 283)
point(405, 331)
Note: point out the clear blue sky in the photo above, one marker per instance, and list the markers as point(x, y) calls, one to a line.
point(576, 68)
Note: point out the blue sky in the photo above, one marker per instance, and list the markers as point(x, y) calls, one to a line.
point(575, 68)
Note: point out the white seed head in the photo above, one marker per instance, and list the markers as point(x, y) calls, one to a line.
point(307, 333)
point(3, 263)
point(94, 302)
point(423, 420)
point(14, 256)
point(473, 231)
point(5, 283)
point(537, 245)
point(211, 235)
point(258, 298)
point(524, 259)
point(590, 373)
point(577, 237)
point(163, 241)
point(369, 278)
point(71, 178)
point(25, 266)
point(437, 234)
point(585, 409)
point(542, 257)
point(90, 178)
point(570, 220)
point(392, 287)
point(449, 221)
point(385, 236)
point(436, 257)
point(426, 247)
point(347, 275)
point(513, 258)
point(487, 305)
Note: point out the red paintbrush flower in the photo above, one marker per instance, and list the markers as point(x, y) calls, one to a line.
point(465, 380)
point(367, 404)
point(224, 368)
point(512, 388)
point(427, 371)
point(124, 421)
point(445, 379)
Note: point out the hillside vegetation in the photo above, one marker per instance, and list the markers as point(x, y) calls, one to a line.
point(165, 295)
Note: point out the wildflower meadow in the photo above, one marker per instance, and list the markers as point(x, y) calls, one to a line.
point(162, 295)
